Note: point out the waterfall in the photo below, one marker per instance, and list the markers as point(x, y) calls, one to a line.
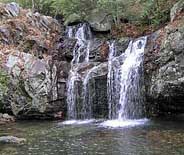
point(124, 81)
point(71, 94)
point(83, 35)
point(87, 98)
point(112, 80)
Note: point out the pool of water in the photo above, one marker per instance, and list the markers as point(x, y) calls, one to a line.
point(153, 137)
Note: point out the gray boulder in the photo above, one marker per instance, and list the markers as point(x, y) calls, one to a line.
point(35, 68)
point(9, 10)
point(99, 21)
point(72, 19)
point(30, 83)
point(12, 9)
point(12, 140)
point(5, 118)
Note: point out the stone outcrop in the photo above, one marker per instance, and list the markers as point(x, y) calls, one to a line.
point(164, 68)
point(100, 21)
point(9, 10)
point(28, 44)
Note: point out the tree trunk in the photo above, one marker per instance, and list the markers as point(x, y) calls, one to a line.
point(33, 5)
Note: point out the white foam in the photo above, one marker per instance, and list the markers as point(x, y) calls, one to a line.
point(123, 123)
point(77, 122)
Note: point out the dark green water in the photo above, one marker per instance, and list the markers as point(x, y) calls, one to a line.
point(159, 137)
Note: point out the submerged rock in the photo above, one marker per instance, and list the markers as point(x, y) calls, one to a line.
point(5, 118)
point(12, 140)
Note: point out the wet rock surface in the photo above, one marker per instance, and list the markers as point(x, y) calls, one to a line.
point(11, 140)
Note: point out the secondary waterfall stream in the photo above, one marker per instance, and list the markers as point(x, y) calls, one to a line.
point(124, 81)
point(80, 56)
point(131, 71)
point(125, 85)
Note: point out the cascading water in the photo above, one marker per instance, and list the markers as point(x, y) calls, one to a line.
point(83, 35)
point(113, 80)
point(124, 78)
point(71, 94)
point(80, 55)
point(87, 98)
point(124, 84)
point(130, 95)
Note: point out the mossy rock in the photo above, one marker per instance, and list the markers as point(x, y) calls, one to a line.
point(99, 20)
point(4, 80)
point(72, 19)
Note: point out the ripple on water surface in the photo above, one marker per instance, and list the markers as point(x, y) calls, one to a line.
point(77, 122)
point(134, 137)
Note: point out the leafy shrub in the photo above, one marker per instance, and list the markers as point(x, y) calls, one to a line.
point(4, 80)
point(156, 12)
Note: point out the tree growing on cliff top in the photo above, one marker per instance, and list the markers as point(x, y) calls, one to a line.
point(149, 12)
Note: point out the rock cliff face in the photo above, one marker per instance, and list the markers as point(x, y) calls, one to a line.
point(164, 66)
point(27, 49)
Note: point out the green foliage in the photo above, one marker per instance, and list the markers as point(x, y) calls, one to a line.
point(80, 7)
point(23, 3)
point(4, 80)
point(113, 7)
point(44, 6)
point(155, 13)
